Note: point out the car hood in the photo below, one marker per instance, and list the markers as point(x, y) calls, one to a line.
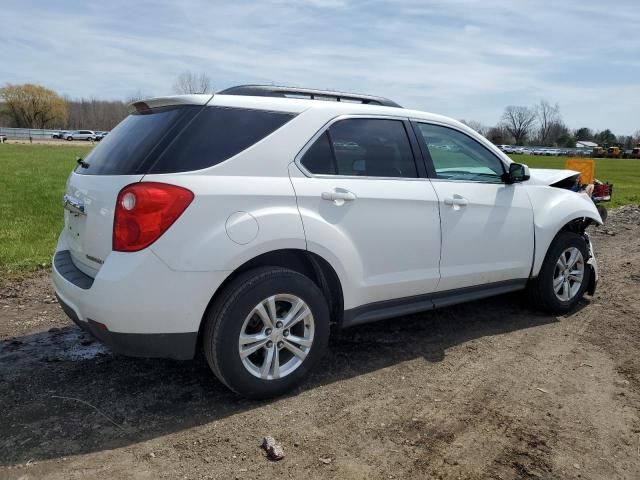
point(549, 176)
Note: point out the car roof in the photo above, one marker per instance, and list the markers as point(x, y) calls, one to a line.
point(325, 108)
point(287, 104)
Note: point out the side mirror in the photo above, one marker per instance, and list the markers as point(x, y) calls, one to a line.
point(517, 173)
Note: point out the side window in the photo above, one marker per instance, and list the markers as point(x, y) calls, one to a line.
point(457, 156)
point(319, 158)
point(362, 147)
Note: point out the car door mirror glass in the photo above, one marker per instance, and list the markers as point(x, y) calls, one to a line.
point(518, 173)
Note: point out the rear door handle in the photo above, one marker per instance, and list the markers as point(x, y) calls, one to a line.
point(457, 200)
point(339, 194)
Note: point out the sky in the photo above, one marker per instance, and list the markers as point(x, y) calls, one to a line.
point(463, 58)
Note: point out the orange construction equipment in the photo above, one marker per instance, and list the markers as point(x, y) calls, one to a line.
point(586, 167)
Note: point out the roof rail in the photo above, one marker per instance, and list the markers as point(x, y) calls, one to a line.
point(308, 93)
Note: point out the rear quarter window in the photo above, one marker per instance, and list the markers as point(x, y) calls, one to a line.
point(215, 135)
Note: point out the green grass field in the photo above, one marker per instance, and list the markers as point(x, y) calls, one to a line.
point(32, 178)
point(624, 174)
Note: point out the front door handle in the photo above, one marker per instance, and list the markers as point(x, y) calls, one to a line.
point(338, 195)
point(456, 201)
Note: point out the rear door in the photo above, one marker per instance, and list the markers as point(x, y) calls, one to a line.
point(364, 200)
point(487, 225)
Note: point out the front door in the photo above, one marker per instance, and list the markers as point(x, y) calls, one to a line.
point(487, 225)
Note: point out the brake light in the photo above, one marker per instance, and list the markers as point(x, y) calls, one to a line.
point(144, 211)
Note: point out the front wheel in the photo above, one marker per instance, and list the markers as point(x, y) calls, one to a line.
point(264, 333)
point(564, 276)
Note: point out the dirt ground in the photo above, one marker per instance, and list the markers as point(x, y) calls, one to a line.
point(490, 389)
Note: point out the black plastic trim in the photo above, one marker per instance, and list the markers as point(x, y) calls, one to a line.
point(283, 92)
point(64, 265)
point(415, 148)
point(404, 306)
point(178, 346)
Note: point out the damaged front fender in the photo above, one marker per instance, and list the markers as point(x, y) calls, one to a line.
point(555, 209)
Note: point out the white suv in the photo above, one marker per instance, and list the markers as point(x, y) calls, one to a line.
point(250, 221)
point(80, 135)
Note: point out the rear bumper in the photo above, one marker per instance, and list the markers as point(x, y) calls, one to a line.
point(179, 346)
point(136, 305)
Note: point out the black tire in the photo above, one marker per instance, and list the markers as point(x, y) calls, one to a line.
point(225, 318)
point(540, 289)
point(69, 139)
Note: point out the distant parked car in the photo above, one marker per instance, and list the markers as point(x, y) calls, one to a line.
point(81, 135)
point(100, 136)
point(60, 135)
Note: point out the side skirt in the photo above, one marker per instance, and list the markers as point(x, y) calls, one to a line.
point(420, 303)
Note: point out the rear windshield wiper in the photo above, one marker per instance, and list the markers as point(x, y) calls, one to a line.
point(81, 162)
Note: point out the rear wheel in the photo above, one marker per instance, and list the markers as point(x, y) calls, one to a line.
point(266, 331)
point(564, 276)
point(69, 139)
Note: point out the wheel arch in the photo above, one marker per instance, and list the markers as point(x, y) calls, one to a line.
point(310, 264)
point(544, 239)
point(556, 210)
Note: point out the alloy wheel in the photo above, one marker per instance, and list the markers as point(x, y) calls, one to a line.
point(276, 336)
point(568, 274)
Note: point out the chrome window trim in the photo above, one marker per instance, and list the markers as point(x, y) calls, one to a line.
point(298, 158)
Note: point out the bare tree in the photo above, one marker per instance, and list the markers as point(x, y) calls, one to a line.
point(95, 114)
point(548, 118)
point(498, 135)
point(518, 121)
point(477, 126)
point(189, 82)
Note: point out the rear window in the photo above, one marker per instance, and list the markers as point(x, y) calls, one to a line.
point(129, 147)
point(179, 139)
point(217, 134)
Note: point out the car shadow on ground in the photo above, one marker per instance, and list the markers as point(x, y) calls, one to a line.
point(53, 383)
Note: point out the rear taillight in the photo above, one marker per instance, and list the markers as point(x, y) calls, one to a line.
point(144, 211)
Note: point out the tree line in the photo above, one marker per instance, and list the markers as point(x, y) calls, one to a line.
point(35, 106)
point(542, 125)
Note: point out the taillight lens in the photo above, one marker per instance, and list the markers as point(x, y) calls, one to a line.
point(144, 211)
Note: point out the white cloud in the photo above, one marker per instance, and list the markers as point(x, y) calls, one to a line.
point(462, 58)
